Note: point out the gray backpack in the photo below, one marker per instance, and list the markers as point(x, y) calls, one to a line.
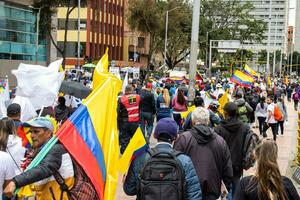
point(162, 177)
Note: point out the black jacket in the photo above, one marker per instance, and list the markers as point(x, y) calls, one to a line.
point(243, 193)
point(234, 131)
point(50, 164)
point(147, 103)
point(210, 156)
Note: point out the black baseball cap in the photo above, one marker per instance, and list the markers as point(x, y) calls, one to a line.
point(13, 109)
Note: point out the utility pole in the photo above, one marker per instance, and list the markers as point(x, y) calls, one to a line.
point(78, 35)
point(268, 47)
point(275, 43)
point(194, 49)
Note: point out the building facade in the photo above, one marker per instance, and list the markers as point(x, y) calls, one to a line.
point(101, 27)
point(290, 38)
point(18, 39)
point(136, 46)
point(297, 27)
point(279, 20)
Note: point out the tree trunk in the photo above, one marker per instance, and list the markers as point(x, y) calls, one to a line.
point(66, 36)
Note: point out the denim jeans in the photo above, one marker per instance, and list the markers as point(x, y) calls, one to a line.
point(146, 121)
point(261, 122)
point(233, 187)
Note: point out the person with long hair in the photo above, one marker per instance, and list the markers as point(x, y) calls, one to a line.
point(179, 104)
point(261, 113)
point(14, 145)
point(282, 107)
point(7, 171)
point(267, 183)
point(163, 105)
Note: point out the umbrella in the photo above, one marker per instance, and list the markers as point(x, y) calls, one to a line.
point(75, 89)
point(89, 65)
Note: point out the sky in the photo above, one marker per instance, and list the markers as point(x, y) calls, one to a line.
point(292, 12)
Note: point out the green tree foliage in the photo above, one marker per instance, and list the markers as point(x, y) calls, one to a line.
point(152, 22)
point(48, 10)
point(229, 20)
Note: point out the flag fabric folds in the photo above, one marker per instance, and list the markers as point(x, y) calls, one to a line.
point(135, 147)
point(90, 135)
point(39, 84)
point(242, 79)
point(248, 70)
point(223, 101)
point(101, 70)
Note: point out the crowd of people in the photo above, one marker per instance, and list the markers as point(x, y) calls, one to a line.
point(201, 151)
point(213, 140)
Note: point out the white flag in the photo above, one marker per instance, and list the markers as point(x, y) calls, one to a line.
point(39, 84)
point(125, 83)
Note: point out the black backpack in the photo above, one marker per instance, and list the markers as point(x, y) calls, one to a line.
point(250, 143)
point(162, 177)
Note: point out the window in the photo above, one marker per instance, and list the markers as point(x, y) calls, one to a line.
point(72, 25)
point(141, 42)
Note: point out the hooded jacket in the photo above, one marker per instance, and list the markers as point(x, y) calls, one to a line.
point(242, 102)
point(147, 103)
point(16, 151)
point(211, 158)
point(234, 131)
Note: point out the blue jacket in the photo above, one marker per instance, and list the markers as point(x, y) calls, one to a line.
point(193, 190)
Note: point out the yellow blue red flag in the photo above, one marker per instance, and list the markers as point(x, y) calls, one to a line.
point(242, 79)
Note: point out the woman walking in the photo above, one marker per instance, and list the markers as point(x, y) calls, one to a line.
point(267, 183)
point(179, 104)
point(261, 113)
point(163, 105)
point(7, 167)
point(282, 107)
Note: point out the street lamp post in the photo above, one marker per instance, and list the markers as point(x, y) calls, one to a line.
point(268, 47)
point(166, 33)
point(78, 35)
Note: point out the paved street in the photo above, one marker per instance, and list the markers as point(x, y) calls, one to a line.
point(286, 144)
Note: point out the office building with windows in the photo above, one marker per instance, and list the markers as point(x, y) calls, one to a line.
point(101, 27)
point(18, 38)
point(279, 20)
point(136, 46)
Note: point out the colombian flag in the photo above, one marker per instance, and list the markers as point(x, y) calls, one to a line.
point(248, 70)
point(242, 79)
point(91, 136)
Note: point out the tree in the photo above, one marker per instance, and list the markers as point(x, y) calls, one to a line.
point(179, 32)
point(229, 20)
point(48, 10)
point(145, 17)
point(152, 22)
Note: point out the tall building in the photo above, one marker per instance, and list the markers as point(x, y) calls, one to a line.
point(297, 27)
point(101, 26)
point(279, 12)
point(18, 39)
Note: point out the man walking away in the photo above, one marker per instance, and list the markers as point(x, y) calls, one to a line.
point(209, 153)
point(128, 116)
point(271, 121)
point(162, 173)
point(296, 99)
point(234, 132)
point(243, 108)
point(148, 110)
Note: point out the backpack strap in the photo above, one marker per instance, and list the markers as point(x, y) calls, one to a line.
point(61, 181)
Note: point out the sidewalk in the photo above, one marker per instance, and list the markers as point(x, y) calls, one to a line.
point(286, 150)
